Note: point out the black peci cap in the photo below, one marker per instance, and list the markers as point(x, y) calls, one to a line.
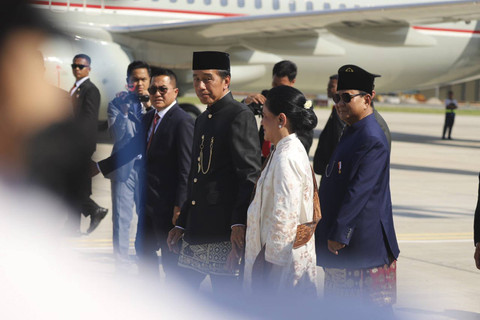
point(206, 60)
point(351, 77)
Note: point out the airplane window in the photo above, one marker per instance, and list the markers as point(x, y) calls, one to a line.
point(292, 5)
point(190, 1)
point(241, 3)
point(326, 6)
point(207, 2)
point(309, 6)
point(224, 3)
point(342, 6)
point(258, 4)
point(276, 4)
point(173, 1)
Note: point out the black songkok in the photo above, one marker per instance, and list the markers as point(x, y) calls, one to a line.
point(206, 60)
point(351, 77)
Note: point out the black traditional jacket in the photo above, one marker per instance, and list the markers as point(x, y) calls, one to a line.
point(225, 167)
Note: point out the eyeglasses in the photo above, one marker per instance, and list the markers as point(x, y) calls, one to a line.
point(153, 89)
point(79, 66)
point(346, 97)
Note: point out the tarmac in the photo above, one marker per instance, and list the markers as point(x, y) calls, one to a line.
point(434, 186)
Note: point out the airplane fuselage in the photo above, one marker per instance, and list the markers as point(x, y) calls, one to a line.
point(440, 53)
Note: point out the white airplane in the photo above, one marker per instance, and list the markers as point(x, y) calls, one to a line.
point(412, 44)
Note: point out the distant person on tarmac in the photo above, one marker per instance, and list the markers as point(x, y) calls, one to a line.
point(450, 106)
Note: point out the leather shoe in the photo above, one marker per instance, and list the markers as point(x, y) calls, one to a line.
point(96, 217)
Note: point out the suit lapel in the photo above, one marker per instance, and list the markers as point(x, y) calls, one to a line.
point(162, 126)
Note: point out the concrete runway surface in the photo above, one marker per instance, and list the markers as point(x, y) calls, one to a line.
point(434, 187)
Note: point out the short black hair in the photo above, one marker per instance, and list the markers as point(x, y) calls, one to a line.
point(334, 76)
point(224, 73)
point(159, 71)
point(285, 68)
point(138, 64)
point(82, 56)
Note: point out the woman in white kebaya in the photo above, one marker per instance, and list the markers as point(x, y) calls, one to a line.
point(283, 200)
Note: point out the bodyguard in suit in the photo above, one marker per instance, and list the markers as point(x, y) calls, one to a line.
point(225, 166)
point(125, 114)
point(355, 240)
point(165, 146)
point(86, 104)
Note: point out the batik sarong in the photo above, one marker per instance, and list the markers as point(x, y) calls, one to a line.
point(207, 258)
point(375, 285)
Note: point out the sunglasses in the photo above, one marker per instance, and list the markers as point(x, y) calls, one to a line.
point(79, 66)
point(153, 89)
point(346, 97)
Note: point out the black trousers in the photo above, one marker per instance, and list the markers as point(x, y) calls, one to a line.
point(449, 120)
point(148, 241)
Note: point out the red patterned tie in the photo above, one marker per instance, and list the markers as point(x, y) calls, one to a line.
point(155, 121)
point(73, 88)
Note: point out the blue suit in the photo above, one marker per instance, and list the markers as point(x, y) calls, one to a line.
point(124, 180)
point(355, 201)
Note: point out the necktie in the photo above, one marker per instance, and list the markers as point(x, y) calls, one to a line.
point(150, 138)
point(73, 88)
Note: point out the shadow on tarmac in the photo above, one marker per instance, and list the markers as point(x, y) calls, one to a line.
point(433, 170)
point(434, 140)
point(421, 213)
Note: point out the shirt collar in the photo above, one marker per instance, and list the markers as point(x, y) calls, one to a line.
point(217, 105)
point(79, 82)
point(162, 112)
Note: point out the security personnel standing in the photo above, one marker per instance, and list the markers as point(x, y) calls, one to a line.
point(225, 166)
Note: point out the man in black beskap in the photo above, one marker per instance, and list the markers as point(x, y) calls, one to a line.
point(225, 166)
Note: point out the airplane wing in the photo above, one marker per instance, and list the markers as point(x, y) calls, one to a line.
point(379, 25)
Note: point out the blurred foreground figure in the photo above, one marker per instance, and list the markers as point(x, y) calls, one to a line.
point(355, 240)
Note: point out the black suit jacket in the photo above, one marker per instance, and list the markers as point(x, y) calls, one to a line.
point(222, 176)
point(86, 104)
point(476, 223)
point(166, 162)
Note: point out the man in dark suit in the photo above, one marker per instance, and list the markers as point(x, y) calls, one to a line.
point(476, 229)
point(86, 104)
point(225, 166)
point(355, 240)
point(165, 145)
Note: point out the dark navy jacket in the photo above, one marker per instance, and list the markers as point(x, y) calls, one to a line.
point(355, 200)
